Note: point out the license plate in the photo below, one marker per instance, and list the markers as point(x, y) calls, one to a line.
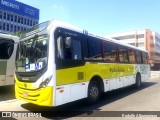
point(25, 94)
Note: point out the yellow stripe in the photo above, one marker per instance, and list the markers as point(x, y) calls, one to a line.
point(70, 75)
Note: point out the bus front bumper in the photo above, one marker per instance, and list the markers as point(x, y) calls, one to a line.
point(41, 96)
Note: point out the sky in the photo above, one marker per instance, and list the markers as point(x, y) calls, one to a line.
point(102, 16)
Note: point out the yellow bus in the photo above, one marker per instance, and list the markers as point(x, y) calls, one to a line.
point(58, 63)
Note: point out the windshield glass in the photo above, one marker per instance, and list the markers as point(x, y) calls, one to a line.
point(32, 54)
point(35, 29)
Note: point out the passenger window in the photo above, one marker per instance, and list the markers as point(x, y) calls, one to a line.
point(6, 48)
point(60, 52)
point(123, 56)
point(69, 48)
point(95, 49)
point(131, 56)
point(138, 57)
point(109, 52)
point(77, 50)
point(145, 58)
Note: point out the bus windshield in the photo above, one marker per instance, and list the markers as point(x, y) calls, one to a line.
point(35, 29)
point(32, 54)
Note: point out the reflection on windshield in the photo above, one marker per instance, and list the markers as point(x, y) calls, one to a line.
point(32, 54)
point(35, 29)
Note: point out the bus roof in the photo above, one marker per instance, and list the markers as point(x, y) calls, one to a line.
point(9, 36)
point(74, 28)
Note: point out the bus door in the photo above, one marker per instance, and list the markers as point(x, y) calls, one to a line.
point(11, 51)
point(70, 65)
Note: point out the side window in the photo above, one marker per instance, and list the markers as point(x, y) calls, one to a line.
point(123, 56)
point(69, 48)
point(138, 57)
point(60, 48)
point(6, 48)
point(145, 58)
point(109, 52)
point(95, 49)
point(131, 56)
point(76, 46)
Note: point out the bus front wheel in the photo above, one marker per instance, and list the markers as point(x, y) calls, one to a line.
point(93, 92)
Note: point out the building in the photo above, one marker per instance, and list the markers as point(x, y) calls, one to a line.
point(16, 16)
point(144, 39)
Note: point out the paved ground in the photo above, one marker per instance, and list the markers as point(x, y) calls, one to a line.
point(128, 99)
point(7, 93)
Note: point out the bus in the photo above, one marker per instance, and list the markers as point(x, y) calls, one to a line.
point(58, 63)
point(8, 49)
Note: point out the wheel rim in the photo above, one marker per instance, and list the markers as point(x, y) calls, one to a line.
point(94, 92)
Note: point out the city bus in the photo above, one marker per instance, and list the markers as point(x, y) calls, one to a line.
point(8, 49)
point(58, 63)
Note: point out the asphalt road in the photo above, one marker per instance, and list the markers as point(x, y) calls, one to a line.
point(7, 93)
point(147, 98)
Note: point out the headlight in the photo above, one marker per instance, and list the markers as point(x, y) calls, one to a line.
point(45, 82)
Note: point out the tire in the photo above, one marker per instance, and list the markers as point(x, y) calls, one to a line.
point(93, 93)
point(138, 83)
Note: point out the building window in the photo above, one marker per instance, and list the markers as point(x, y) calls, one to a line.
point(157, 39)
point(124, 37)
point(141, 44)
point(25, 21)
point(4, 26)
point(24, 29)
point(11, 28)
point(21, 28)
point(18, 29)
point(15, 18)
point(28, 22)
point(19, 19)
point(7, 27)
point(0, 25)
point(4, 15)
point(8, 16)
point(11, 17)
point(0, 14)
point(34, 22)
point(140, 36)
point(15, 28)
point(22, 20)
